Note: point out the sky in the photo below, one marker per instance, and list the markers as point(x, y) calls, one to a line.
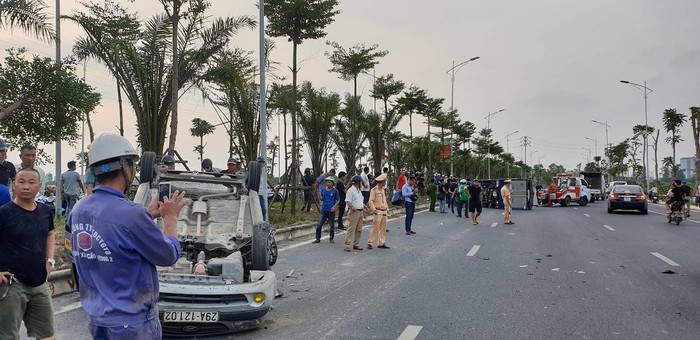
point(553, 66)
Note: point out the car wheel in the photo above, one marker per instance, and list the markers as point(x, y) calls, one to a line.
point(567, 201)
point(254, 170)
point(645, 212)
point(610, 210)
point(592, 199)
point(260, 252)
point(273, 249)
point(583, 201)
point(147, 171)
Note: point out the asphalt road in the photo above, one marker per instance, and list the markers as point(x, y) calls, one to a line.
point(558, 273)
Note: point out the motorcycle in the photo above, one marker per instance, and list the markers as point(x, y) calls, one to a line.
point(654, 197)
point(676, 214)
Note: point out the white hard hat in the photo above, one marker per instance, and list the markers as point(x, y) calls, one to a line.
point(110, 146)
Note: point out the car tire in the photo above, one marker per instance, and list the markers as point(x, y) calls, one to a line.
point(273, 249)
point(592, 199)
point(147, 171)
point(567, 201)
point(260, 249)
point(253, 182)
point(583, 201)
point(610, 210)
point(645, 212)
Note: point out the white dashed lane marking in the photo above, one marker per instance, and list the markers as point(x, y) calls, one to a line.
point(665, 259)
point(494, 224)
point(586, 215)
point(473, 251)
point(608, 227)
point(410, 333)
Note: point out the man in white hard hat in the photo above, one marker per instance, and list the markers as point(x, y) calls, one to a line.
point(116, 246)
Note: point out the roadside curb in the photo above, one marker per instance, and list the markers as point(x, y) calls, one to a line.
point(61, 281)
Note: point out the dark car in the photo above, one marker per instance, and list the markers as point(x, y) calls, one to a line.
point(628, 197)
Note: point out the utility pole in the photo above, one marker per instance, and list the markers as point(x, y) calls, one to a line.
point(58, 141)
point(452, 72)
point(525, 143)
point(263, 108)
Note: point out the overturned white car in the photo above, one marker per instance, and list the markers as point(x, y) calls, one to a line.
point(223, 282)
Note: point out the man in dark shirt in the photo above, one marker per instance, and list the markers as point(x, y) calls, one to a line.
point(340, 186)
point(454, 186)
point(26, 259)
point(308, 181)
point(475, 201)
point(686, 197)
point(676, 195)
point(7, 169)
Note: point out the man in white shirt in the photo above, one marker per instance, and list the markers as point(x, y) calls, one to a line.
point(353, 199)
point(365, 185)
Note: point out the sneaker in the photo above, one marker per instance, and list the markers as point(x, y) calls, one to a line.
point(332, 241)
point(408, 233)
point(412, 232)
point(316, 241)
point(369, 246)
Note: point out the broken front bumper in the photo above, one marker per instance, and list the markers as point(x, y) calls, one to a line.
point(238, 306)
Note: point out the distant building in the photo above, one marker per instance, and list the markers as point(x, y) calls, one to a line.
point(688, 166)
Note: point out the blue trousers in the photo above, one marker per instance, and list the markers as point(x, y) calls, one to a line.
point(330, 217)
point(410, 210)
point(442, 205)
point(149, 330)
point(263, 207)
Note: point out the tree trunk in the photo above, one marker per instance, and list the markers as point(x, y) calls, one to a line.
point(8, 110)
point(175, 19)
point(656, 155)
point(201, 148)
point(695, 122)
point(295, 150)
point(121, 110)
point(91, 132)
point(354, 79)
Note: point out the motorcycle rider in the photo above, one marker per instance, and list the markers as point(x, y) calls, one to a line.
point(654, 194)
point(686, 198)
point(676, 195)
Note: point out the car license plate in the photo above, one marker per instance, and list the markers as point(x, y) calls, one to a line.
point(627, 199)
point(190, 316)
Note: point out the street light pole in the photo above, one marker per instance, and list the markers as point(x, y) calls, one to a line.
point(645, 91)
point(508, 140)
point(452, 72)
point(488, 147)
point(607, 142)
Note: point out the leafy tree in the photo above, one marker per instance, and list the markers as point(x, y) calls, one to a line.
point(378, 127)
point(201, 128)
point(273, 147)
point(673, 121)
point(350, 132)
point(41, 101)
point(230, 85)
point(617, 155)
point(641, 131)
point(316, 118)
point(412, 101)
point(138, 60)
point(695, 124)
point(655, 138)
point(27, 15)
point(174, 10)
point(386, 87)
point(351, 62)
point(298, 20)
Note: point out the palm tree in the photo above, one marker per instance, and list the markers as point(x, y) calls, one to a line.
point(298, 20)
point(230, 86)
point(386, 87)
point(378, 127)
point(350, 132)
point(350, 63)
point(673, 121)
point(412, 101)
point(695, 124)
point(27, 15)
point(316, 120)
point(201, 128)
point(281, 99)
point(138, 59)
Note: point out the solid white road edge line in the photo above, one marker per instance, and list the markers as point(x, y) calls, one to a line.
point(410, 333)
point(494, 224)
point(473, 251)
point(665, 259)
point(608, 227)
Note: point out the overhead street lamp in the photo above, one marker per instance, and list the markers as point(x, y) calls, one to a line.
point(645, 91)
point(488, 147)
point(607, 142)
point(452, 73)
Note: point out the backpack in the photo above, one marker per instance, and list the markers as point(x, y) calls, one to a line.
point(397, 199)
